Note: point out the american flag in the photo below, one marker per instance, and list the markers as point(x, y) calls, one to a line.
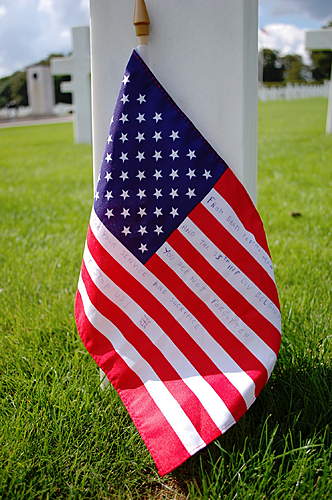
point(176, 299)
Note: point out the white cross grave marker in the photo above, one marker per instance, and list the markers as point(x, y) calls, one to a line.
point(78, 67)
point(322, 40)
point(203, 52)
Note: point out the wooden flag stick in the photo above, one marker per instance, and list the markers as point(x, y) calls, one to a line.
point(141, 22)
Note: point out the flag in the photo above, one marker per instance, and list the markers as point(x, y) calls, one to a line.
point(176, 299)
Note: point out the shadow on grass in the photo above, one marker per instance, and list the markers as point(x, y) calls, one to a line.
point(290, 417)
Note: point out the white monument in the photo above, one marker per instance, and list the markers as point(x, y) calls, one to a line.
point(203, 52)
point(40, 90)
point(78, 67)
point(322, 40)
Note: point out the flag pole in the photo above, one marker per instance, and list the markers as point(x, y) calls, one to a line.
point(142, 28)
point(141, 22)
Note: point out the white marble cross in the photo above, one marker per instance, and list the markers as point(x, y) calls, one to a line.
point(211, 72)
point(78, 67)
point(322, 40)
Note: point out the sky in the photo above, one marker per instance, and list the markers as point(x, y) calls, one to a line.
point(32, 29)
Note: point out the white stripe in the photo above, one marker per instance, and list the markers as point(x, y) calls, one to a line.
point(230, 272)
point(241, 381)
point(166, 403)
point(212, 403)
point(227, 317)
point(225, 214)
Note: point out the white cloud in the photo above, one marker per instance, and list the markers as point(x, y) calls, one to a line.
point(32, 29)
point(3, 10)
point(286, 38)
point(45, 6)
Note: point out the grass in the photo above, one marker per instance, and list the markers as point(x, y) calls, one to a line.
point(61, 437)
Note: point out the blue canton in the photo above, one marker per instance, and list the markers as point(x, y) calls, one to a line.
point(156, 168)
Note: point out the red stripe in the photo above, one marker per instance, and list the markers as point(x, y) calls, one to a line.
point(199, 359)
point(241, 355)
point(237, 303)
point(234, 251)
point(134, 396)
point(237, 197)
point(190, 404)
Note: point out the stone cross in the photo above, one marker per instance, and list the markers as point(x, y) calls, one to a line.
point(78, 67)
point(40, 90)
point(322, 40)
point(204, 53)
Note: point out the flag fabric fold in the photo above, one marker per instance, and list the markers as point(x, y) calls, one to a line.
point(176, 299)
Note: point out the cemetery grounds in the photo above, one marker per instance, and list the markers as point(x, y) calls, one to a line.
point(61, 436)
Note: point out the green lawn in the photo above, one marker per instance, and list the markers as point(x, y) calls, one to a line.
point(61, 437)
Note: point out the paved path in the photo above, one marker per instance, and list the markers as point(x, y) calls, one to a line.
point(23, 122)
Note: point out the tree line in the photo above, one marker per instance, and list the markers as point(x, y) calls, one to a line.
point(274, 68)
point(290, 68)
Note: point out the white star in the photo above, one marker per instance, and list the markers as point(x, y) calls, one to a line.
point(124, 98)
point(124, 194)
point(108, 157)
point(126, 230)
point(108, 176)
point(97, 195)
point(157, 155)
point(140, 117)
point(140, 137)
point(123, 137)
point(112, 119)
point(140, 156)
point(174, 212)
point(207, 174)
point(174, 174)
point(157, 174)
point(158, 230)
point(124, 118)
point(174, 193)
point(98, 180)
point(158, 212)
point(143, 248)
point(124, 157)
point(191, 173)
point(157, 136)
point(157, 117)
point(142, 230)
point(125, 79)
point(109, 213)
point(141, 98)
point(191, 154)
point(125, 212)
point(174, 135)
point(174, 154)
point(141, 211)
point(109, 139)
point(141, 175)
point(108, 195)
point(124, 175)
point(157, 193)
point(141, 193)
point(190, 193)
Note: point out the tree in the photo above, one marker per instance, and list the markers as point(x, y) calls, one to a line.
point(18, 88)
point(272, 67)
point(294, 69)
point(5, 95)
